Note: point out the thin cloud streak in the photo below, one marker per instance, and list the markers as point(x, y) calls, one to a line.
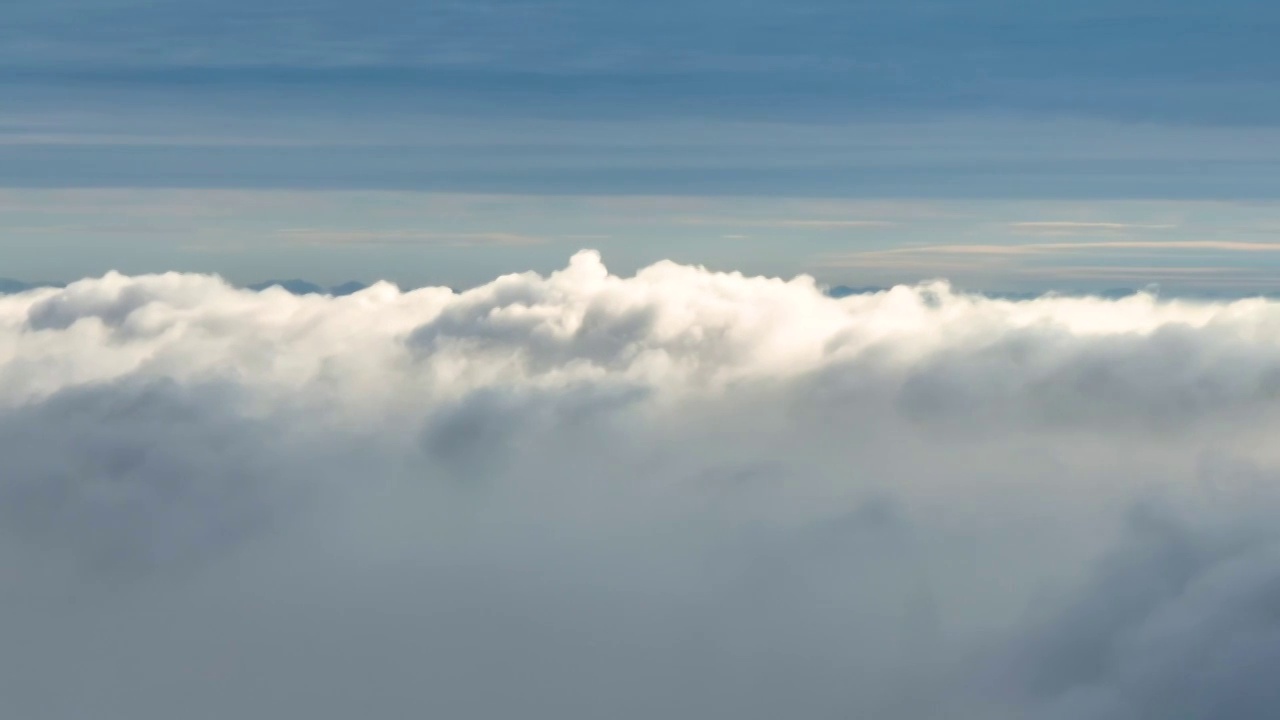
point(1074, 228)
point(1062, 248)
point(1199, 264)
point(1067, 247)
point(310, 236)
point(805, 223)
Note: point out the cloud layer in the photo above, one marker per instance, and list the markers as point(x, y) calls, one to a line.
point(681, 494)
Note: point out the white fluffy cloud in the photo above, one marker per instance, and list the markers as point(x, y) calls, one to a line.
point(680, 494)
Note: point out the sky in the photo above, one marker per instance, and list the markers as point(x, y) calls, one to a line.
point(415, 141)
point(596, 437)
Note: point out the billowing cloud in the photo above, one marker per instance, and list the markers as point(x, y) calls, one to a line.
point(680, 494)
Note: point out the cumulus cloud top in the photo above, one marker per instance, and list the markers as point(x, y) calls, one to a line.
point(682, 493)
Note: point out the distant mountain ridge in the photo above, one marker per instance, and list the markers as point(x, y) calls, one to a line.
point(840, 291)
point(9, 286)
point(297, 286)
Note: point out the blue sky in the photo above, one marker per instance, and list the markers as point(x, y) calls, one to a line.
point(1136, 136)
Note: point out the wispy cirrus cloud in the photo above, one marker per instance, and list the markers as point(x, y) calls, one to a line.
point(997, 251)
point(1206, 264)
point(318, 236)
point(1073, 227)
point(1067, 247)
point(803, 223)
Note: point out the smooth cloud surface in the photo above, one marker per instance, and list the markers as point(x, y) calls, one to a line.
point(681, 494)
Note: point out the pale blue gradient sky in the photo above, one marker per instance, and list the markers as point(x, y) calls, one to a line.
point(447, 142)
point(416, 238)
